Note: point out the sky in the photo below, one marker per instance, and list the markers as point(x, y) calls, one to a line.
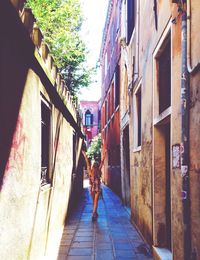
point(95, 14)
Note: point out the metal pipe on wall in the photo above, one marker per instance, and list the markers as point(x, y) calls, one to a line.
point(136, 73)
point(185, 138)
point(191, 69)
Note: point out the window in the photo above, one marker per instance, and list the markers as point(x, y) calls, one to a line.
point(137, 117)
point(105, 64)
point(118, 16)
point(116, 85)
point(102, 114)
point(112, 99)
point(130, 14)
point(74, 151)
point(109, 106)
point(164, 76)
point(138, 104)
point(45, 138)
point(99, 119)
point(88, 118)
point(112, 36)
point(106, 111)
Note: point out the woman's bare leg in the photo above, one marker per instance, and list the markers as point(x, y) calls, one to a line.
point(95, 202)
point(93, 195)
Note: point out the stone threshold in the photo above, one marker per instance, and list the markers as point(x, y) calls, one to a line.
point(162, 253)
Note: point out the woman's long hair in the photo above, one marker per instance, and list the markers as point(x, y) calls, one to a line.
point(95, 171)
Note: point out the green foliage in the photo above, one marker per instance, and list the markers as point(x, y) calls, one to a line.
point(60, 22)
point(94, 151)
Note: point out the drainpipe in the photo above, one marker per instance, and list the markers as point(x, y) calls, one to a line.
point(192, 70)
point(136, 73)
point(185, 139)
point(195, 68)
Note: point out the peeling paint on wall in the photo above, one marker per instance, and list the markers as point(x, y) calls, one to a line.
point(176, 163)
point(184, 170)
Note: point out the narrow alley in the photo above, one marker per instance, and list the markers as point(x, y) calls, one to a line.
point(112, 236)
point(107, 90)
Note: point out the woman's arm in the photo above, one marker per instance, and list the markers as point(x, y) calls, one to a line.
point(87, 162)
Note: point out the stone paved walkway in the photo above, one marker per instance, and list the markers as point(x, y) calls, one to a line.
point(112, 236)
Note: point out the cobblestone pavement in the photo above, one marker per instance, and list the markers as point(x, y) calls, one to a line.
point(112, 236)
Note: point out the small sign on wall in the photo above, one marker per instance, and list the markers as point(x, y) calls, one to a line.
point(176, 156)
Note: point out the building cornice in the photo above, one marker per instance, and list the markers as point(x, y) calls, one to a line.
point(106, 26)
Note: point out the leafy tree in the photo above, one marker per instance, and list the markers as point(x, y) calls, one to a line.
point(60, 22)
point(94, 151)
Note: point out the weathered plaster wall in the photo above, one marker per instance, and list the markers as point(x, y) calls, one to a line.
point(147, 194)
point(194, 131)
point(177, 209)
point(32, 216)
point(177, 213)
point(141, 160)
point(21, 183)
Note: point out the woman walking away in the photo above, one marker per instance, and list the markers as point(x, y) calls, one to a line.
point(94, 173)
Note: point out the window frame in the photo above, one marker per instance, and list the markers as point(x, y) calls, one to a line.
point(88, 115)
point(105, 64)
point(161, 88)
point(157, 116)
point(118, 17)
point(46, 177)
point(117, 86)
point(106, 111)
point(130, 18)
point(137, 118)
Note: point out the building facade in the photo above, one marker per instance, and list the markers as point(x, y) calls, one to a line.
point(41, 138)
point(110, 96)
point(160, 78)
point(90, 118)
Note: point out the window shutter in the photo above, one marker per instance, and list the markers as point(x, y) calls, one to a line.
point(91, 119)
